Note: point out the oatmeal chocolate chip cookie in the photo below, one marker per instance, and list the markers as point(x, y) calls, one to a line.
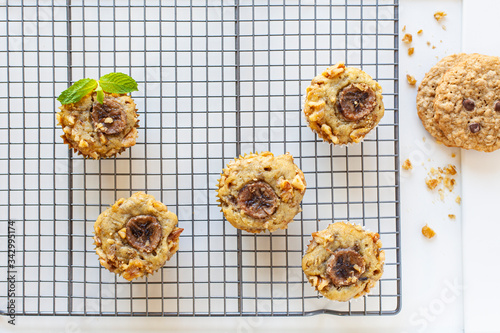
point(343, 104)
point(259, 192)
point(135, 236)
point(343, 261)
point(427, 93)
point(99, 130)
point(466, 103)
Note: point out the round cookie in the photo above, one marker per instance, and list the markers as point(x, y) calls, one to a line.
point(259, 192)
point(343, 104)
point(427, 93)
point(467, 103)
point(135, 236)
point(343, 261)
point(99, 130)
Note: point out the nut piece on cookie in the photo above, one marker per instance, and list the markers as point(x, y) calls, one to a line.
point(343, 104)
point(259, 192)
point(136, 236)
point(343, 261)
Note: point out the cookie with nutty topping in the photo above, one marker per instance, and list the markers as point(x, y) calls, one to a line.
point(343, 261)
point(98, 130)
point(259, 192)
point(135, 236)
point(343, 104)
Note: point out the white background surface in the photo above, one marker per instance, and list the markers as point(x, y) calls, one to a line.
point(433, 276)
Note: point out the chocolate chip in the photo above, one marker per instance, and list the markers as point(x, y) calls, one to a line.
point(258, 200)
point(474, 127)
point(143, 232)
point(344, 267)
point(356, 101)
point(468, 104)
point(109, 117)
point(497, 106)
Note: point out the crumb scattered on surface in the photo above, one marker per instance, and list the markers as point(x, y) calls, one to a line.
point(411, 80)
point(433, 47)
point(407, 38)
point(423, 139)
point(439, 16)
point(444, 27)
point(432, 183)
point(428, 232)
point(420, 32)
point(407, 165)
point(428, 43)
point(452, 216)
point(458, 200)
point(444, 176)
point(453, 155)
point(411, 50)
point(404, 28)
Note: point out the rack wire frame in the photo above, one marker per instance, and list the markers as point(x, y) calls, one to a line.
point(216, 80)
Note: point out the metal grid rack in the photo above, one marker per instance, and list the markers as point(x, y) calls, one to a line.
point(217, 79)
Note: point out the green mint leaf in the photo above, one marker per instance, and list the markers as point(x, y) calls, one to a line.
point(117, 83)
point(77, 91)
point(100, 95)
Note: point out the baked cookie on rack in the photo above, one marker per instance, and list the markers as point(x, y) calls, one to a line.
point(259, 192)
point(98, 118)
point(467, 103)
point(135, 236)
point(343, 261)
point(99, 130)
point(343, 104)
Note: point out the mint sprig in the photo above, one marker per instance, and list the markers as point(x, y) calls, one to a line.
point(112, 83)
point(118, 83)
point(77, 91)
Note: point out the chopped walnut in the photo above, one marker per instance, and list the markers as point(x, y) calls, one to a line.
point(420, 32)
point(411, 50)
point(452, 216)
point(458, 200)
point(439, 16)
point(428, 232)
point(411, 80)
point(407, 165)
point(407, 38)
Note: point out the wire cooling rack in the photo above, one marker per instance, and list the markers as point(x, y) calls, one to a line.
point(216, 79)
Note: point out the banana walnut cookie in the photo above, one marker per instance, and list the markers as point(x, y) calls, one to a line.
point(343, 104)
point(135, 236)
point(99, 123)
point(343, 261)
point(259, 192)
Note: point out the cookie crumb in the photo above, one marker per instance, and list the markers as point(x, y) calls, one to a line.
point(420, 32)
point(423, 138)
point(433, 47)
point(441, 194)
point(411, 80)
point(452, 216)
point(428, 232)
point(450, 170)
point(458, 200)
point(449, 183)
point(411, 50)
point(439, 16)
point(432, 183)
point(428, 43)
point(404, 29)
point(407, 165)
point(453, 155)
point(407, 38)
point(444, 27)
